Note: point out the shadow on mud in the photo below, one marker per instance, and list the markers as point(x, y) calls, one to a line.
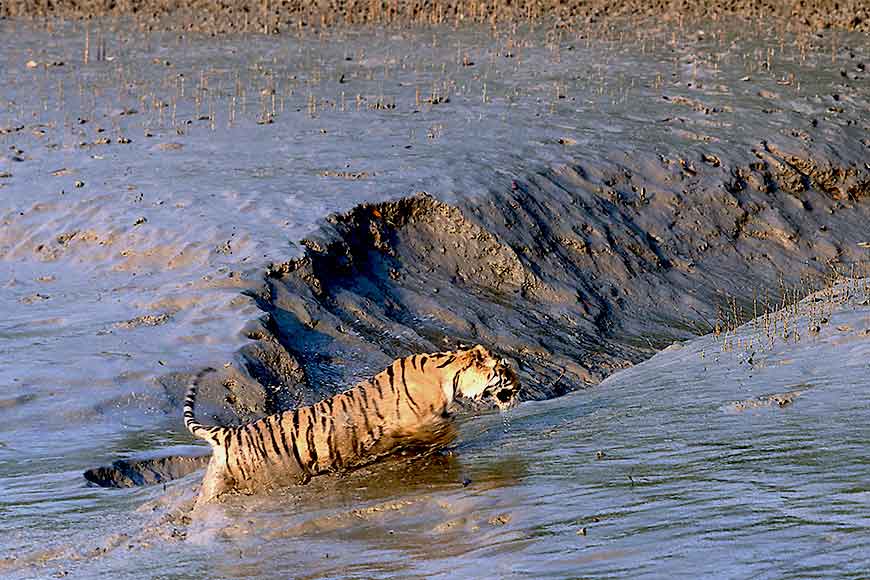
point(572, 274)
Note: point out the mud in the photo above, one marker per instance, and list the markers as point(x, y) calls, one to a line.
point(215, 17)
point(593, 195)
point(775, 400)
point(571, 488)
point(565, 272)
point(130, 473)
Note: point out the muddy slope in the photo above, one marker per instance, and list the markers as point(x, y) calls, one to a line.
point(572, 272)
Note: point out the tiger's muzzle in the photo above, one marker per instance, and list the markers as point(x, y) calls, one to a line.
point(503, 388)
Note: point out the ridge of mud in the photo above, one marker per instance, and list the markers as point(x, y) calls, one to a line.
point(136, 472)
point(254, 16)
point(573, 273)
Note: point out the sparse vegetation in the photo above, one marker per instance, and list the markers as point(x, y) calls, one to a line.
point(797, 313)
point(255, 16)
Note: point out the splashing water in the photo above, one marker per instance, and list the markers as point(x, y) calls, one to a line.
point(506, 420)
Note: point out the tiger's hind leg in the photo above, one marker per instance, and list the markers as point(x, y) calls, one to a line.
point(215, 483)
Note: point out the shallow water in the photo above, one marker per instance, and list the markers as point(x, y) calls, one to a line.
point(681, 466)
point(180, 221)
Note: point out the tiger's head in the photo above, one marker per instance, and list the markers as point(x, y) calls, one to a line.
point(479, 375)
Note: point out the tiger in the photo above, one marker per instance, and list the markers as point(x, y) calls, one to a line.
point(406, 406)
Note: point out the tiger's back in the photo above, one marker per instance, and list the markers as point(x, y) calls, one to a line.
point(405, 406)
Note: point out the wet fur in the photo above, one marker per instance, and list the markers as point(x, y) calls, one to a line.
point(406, 406)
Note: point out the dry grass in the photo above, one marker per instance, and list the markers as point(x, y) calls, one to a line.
point(271, 16)
point(798, 313)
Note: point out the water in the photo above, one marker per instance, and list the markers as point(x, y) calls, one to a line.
point(665, 478)
point(656, 472)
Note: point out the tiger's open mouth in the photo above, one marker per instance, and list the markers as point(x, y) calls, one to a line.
point(505, 398)
point(503, 391)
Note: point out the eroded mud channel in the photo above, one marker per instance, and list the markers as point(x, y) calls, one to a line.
point(300, 210)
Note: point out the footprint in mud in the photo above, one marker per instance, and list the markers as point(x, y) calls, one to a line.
point(768, 401)
point(171, 146)
point(145, 320)
point(34, 298)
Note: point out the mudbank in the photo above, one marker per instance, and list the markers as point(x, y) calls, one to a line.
point(571, 272)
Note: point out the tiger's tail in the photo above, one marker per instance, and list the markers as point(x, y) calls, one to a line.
point(194, 426)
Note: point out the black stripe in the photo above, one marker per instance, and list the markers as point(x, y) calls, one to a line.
point(375, 405)
point(377, 383)
point(334, 447)
point(323, 420)
point(449, 360)
point(330, 434)
point(252, 444)
point(295, 433)
point(414, 362)
point(392, 375)
point(282, 434)
point(413, 404)
point(295, 436)
point(381, 419)
point(456, 382)
point(249, 455)
point(248, 445)
point(423, 361)
point(364, 411)
point(240, 453)
point(343, 406)
point(228, 440)
point(349, 422)
point(272, 434)
point(309, 439)
point(262, 439)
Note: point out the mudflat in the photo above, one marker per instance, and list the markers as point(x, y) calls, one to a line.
point(299, 209)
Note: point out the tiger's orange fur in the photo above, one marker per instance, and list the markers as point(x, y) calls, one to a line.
point(405, 406)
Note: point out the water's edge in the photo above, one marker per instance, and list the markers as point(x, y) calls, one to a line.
point(569, 274)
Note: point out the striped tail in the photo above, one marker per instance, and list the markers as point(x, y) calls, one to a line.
point(194, 426)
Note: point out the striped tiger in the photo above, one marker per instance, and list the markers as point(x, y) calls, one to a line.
point(405, 406)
